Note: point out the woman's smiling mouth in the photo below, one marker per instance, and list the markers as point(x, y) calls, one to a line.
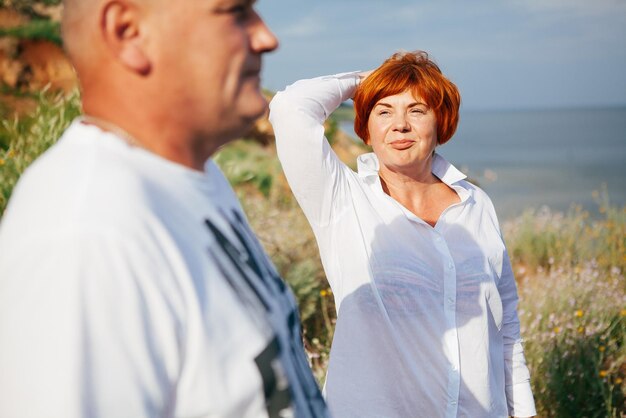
point(402, 144)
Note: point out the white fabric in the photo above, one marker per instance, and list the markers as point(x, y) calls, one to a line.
point(131, 286)
point(427, 323)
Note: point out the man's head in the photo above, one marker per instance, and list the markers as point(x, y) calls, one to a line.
point(190, 67)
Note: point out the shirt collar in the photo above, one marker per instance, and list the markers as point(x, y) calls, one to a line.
point(368, 166)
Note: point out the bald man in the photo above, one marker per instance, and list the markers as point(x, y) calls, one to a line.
point(131, 284)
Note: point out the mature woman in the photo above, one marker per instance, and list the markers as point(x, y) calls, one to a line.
point(426, 300)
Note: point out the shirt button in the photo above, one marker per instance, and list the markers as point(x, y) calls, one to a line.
point(453, 402)
point(451, 301)
point(450, 265)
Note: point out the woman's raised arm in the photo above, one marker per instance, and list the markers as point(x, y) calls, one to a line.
point(316, 175)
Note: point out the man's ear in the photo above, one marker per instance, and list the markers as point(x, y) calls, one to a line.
point(120, 28)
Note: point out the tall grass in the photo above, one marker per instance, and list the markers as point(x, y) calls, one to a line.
point(25, 138)
point(570, 269)
point(573, 307)
point(545, 240)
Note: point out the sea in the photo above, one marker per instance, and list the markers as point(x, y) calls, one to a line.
point(538, 159)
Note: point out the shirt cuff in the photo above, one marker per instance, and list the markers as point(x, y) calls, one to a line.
point(348, 82)
point(520, 401)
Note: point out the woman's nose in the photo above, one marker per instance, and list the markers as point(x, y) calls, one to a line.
point(401, 123)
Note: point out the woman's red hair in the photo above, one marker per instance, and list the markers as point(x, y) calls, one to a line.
point(412, 71)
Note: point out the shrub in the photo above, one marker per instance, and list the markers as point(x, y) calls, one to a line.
point(38, 29)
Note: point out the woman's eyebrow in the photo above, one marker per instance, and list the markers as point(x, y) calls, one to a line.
point(410, 104)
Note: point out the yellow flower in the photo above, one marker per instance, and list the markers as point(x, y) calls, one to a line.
point(579, 313)
point(323, 293)
point(11, 153)
point(622, 313)
point(602, 348)
point(603, 373)
point(618, 381)
point(1, 161)
point(581, 330)
point(557, 330)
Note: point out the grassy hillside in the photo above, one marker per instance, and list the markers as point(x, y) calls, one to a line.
point(570, 268)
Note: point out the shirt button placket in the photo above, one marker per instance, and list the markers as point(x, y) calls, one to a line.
point(449, 290)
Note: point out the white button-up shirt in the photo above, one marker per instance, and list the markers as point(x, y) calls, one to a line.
point(427, 316)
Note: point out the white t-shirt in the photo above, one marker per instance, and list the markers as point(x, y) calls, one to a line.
point(427, 316)
point(131, 286)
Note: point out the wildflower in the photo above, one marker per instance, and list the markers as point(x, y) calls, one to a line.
point(557, 330)
point(622, 313)
point(602, 348)
point(581, 330)
point(323, 293)
point(619, 381)
point(11, 153)
point(579, 313)
point(1, 162)
point(603, 373)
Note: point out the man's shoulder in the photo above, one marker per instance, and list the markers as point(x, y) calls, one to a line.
point(82, 180)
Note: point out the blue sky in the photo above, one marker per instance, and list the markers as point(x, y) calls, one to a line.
point(502, 54)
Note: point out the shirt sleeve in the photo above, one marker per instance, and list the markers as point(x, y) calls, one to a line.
point(86, 330)
point(314, 172)
point(517, 377)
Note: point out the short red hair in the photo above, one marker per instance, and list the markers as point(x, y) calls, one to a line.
point(412, 71)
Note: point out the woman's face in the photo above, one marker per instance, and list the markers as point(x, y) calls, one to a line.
point(402, 131)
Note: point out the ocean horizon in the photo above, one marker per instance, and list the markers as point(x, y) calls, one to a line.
point(536, 158)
